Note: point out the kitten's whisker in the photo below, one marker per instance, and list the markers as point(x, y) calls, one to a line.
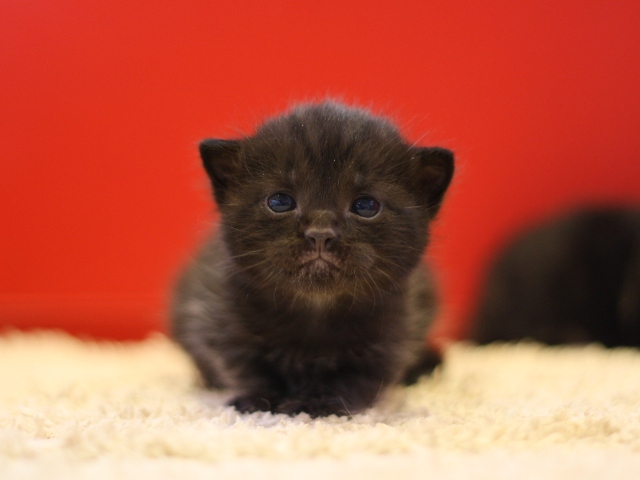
point(418, 140)
point(345, 407)
point(275, 290)
point(389, 262)
point(254, 252)
point(375, 285)
point(353, 297)
point(296, 297)
point(434, 206)
point(417, 206)
point(225, 226)
point(393, 282)
point(379, 390)
point(372, 292)
point(254, 265)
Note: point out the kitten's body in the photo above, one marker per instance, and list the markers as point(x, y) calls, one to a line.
point(574, 279)
point(315, 309)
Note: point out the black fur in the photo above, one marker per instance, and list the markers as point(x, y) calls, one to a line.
point(575, 279)
point(262, 315)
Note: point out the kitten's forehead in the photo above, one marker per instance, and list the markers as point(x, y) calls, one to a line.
point(324, 141)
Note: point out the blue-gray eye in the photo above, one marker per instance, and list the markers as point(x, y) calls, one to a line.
point(366, 207)
point(281, 202)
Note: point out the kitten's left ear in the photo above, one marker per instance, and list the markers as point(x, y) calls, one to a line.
point(220, 159)
point(436, 171)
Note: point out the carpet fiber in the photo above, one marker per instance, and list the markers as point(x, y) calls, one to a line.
point(73, 409)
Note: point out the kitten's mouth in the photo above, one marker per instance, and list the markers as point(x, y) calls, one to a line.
point(319, 262)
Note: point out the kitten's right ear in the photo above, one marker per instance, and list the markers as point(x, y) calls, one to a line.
point(220, 159)
point(436, 165)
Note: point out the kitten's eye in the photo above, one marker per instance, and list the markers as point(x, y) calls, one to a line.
point(366, 207)
point(281, 202)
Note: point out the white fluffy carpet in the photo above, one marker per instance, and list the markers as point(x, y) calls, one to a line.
point(72, 409)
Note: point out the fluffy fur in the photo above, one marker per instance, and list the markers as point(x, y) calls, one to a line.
point(574, 279)
point(316, 309)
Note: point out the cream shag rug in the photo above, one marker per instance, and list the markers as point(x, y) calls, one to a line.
point(71, 409)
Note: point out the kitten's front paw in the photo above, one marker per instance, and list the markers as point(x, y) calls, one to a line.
point(253, 403)
point(316, 407)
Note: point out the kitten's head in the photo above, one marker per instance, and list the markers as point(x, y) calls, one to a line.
point(326, 200)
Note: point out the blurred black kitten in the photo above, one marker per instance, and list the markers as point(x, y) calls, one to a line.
point(575, 279)
point(313, 297)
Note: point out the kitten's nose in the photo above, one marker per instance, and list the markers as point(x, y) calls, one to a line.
point(320, 238)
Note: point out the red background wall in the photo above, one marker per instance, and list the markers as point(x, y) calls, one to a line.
point(102, 104)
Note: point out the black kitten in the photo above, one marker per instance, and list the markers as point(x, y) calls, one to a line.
point(312, 297)
point(575, 279)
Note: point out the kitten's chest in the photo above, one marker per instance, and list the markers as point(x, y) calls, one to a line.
point(330, 344)
point(310, 334)
point(299, 362)
point(308, 360)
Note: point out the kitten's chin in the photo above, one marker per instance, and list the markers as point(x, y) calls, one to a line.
point(319, 278)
